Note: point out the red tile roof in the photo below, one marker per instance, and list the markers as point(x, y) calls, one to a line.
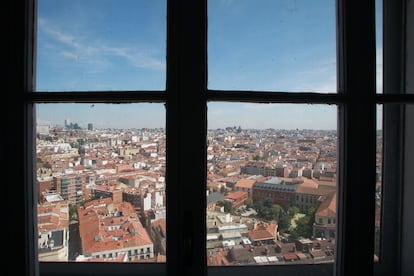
point(245, 183)
point(328, 206)
point(100, 231)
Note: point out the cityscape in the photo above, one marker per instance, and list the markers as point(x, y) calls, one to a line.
point(271, 195)
point(270, 192)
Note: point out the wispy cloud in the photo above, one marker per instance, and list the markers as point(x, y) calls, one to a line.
point(320, 78)
point(138, 58)
point(98, 53)
point(57, 35)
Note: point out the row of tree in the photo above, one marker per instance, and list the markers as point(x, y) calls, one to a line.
point(285, 217)
point(268, 211)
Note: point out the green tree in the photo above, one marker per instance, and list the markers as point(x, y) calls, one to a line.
point(268, 203)
point(304, 225)
point(257, 157)
point(249, 203)
point(228, 206)
point(312, 212)
point(266, 210)
point(293, 210)
point(284, 221)
point(277, 210)
point(73, 210)
point(258, 206)
point(303, 228)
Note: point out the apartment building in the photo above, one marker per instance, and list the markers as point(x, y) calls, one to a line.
point(108, 229)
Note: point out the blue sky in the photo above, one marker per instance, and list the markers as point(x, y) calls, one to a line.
point(266, 45)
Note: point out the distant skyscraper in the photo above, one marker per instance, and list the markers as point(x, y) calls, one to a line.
point(67, 123)
point(90, 126)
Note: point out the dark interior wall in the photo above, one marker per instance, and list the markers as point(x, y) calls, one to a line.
point(407, 264)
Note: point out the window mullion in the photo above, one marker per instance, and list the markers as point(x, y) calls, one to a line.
point(186, 137)
point(357, 132)
point(392, 172)
point(18, 145)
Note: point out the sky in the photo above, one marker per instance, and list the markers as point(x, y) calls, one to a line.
point(266, 45)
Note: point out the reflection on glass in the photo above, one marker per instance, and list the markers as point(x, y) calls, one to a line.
point(271, 184)
point(101, 188)
point(100, 45)
point(378, 184)
point(275, 45)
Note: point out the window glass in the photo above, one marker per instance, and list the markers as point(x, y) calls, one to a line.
point(408, 204)
point(379, 47)
point(271, 190)
point(100, 45)
point(100, 176)
point(272, 45)
point(389, 172)
point(378, 184)
point(409, 46)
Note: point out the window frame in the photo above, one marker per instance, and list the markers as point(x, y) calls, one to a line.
point(393, 127)
point(187, 73)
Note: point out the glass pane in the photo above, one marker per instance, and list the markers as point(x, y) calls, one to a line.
point(378, 184)
point(392, 148)
point(271, 190)
point(276, 45)
point(379, 59)
point(407, 202)
point(408, 45)
point(101, 45)
point(101, 182)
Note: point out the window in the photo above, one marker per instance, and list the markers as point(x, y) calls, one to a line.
point(186, 99)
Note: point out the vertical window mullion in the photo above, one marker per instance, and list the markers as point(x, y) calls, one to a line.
point(18, 145)
point(186, 137)
point(357, 130)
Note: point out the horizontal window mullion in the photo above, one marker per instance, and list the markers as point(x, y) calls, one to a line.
point(101, 268)
point(97, 97)
point(394, 98)
point(323, 269)
point(275, 97)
